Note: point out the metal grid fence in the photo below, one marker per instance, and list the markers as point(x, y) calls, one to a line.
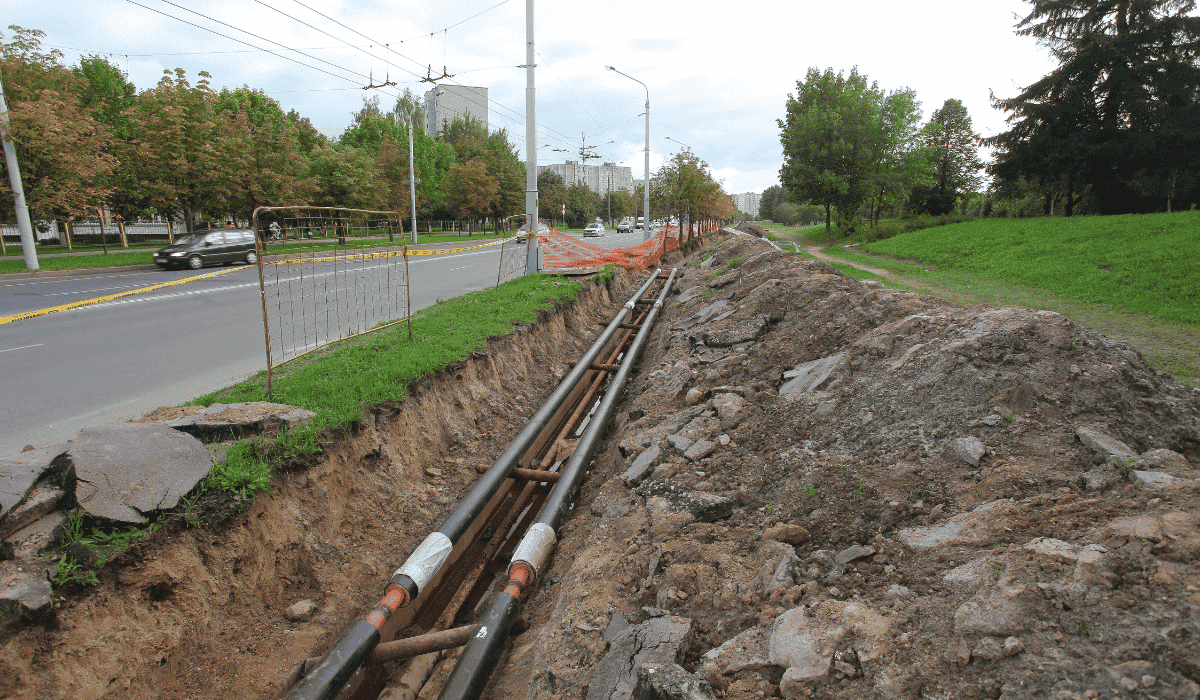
point(331, 273)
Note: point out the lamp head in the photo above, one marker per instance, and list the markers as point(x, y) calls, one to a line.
point(609, 68)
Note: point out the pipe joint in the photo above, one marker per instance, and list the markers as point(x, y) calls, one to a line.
point(535, 548)
point(424, 563)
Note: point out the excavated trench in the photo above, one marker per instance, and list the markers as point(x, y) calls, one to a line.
point(200, 613)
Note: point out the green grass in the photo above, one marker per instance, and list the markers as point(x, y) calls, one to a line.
point(1140, 263)
point(339, 382)
point(75, 262)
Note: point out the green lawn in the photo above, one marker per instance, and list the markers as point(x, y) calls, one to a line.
point(1140, 263)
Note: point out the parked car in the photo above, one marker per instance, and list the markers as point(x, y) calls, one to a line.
point(625, 225)
point(224, 246)
point(594, 230)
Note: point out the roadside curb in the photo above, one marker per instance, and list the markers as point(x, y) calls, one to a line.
point(74, 271)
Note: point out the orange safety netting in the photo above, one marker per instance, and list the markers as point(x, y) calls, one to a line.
point(560, 251)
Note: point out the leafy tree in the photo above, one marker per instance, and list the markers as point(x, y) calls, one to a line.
point(903, 164)
point(471, 192)
point(1119, 116)
point(582, 205)
point(950, 144)
point(772, 197)
point(62, 149)
point(347, 177)
point(833, 136)
point(552, 195)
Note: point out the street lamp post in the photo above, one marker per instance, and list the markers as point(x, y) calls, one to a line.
point(646, 182)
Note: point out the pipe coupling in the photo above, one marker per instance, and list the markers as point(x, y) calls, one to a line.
point(424, 563)
point(535, 547)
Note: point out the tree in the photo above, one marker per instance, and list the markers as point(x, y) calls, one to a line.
point(62, 149)
point(471, 192)
point(552, 195)
point(833, 135)
point(903, 164)
point(950, 145)
point(347, 177)
point(582, 205)
point(1119, 114)
point(768, 205)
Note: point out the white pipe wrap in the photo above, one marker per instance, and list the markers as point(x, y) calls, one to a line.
point(535, 546)
point(424, 563)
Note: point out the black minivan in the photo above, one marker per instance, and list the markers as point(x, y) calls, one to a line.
point(227, 245)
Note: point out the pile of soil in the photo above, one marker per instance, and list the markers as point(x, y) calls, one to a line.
point(842, 491)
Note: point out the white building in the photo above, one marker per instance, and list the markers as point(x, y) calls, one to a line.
point(748, 202)
point(444, 103)
point(600, 179)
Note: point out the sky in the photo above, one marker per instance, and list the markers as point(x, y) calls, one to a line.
point(718, 73)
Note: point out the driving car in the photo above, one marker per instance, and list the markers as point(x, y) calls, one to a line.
point(521, 232)
point(625, 225)
point(200, 248)
point(594, 230)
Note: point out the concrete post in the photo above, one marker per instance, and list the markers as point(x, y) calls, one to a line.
point(28, 244)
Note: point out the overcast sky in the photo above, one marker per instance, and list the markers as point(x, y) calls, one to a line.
point(718, 72)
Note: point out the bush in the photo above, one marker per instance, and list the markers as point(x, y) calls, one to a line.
point(50, 241)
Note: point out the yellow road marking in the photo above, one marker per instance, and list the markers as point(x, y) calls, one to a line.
point(100, 300)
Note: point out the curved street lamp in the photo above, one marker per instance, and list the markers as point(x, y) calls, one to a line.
point(646, 182)
point(681, 143)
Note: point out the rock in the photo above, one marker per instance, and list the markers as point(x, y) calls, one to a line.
point(707, 264)
point(617, 625)
point(433, 471)
point(811, 376)
point(1166, 460)
point(301, 611)
point(700, 428)
point(29, 590)
point(908, 355)
point(20, 472)
point(803, 641)
point(693, 397)
point(968, 449)
point(124, 471)
point(731, 409)
point(690, 293)
point(969, 577)
point(1104, 444)
point(741, 332)
point(724, 279)
point(1013, 646)
point(779, 565)
point(748, 650)
point(851, 553)
point(970, 528)
point(699, 450)
point(1152, 480)
point(679, 442)
point(39, 502)
point(872, 284)
point(702, 316)
point(670, 381)
point(658, 640)
point(704, 507)
point(231, 421)
point(641, 466)
point(787, 532)
point(989, 649)
point(670, 682)
point(1001, 609)
point(1101, 478)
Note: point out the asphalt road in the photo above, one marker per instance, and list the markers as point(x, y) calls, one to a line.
point(120, 359)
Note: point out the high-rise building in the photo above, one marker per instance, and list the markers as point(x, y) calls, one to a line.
point(445, 103)
point(748, 202)
point(600, 179)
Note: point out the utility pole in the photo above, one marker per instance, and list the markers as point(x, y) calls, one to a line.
point(412, 178)
point(28, 245)
point(531, 191)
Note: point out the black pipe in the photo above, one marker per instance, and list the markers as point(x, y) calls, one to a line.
point(462, 517)
point(326, 679)
point(474, 667)
point(559, 500)
point(470, 675)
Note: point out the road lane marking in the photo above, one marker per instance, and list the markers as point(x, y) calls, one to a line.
point(24, 347)
point(447, 252)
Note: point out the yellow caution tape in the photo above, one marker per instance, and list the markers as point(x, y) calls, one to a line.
point(110, 297)
point(386, 254)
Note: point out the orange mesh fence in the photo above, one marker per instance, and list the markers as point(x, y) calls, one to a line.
point(560, 251)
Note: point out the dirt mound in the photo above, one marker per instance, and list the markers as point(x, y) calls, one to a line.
point(853, 492)
point(752, 229)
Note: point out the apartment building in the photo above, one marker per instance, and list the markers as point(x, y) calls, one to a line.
point(446, 102)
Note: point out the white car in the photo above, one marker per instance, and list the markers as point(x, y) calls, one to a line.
point(594, 230)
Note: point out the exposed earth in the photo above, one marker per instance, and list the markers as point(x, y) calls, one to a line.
point(814, 488)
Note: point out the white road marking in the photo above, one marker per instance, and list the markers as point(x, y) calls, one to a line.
point(24, 347)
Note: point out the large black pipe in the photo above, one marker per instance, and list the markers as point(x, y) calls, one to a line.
point(326, 679)
point(462, 517)
point(470, 675)
point(559, 501)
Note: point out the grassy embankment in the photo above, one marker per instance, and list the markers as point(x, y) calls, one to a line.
point(144, 257)
point(1125, 276)
point(338, 383)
